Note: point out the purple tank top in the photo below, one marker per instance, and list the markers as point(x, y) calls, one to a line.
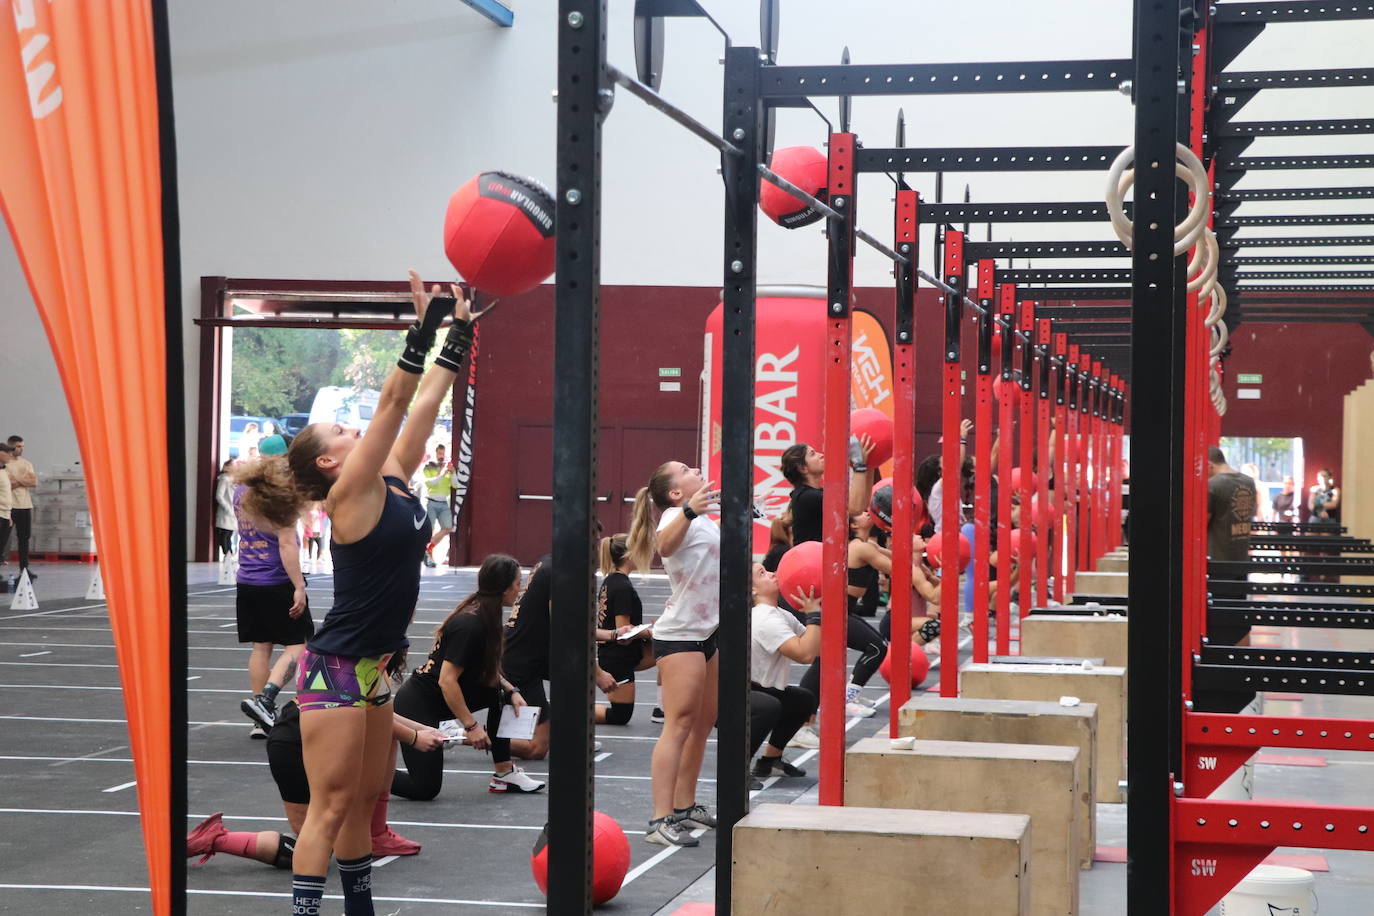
point(259, 552)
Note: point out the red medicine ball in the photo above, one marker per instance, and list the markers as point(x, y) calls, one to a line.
point(935, 551)
point(880, 505)
point(876, 425)
point(610, 858)
point(920, 665)
point(807, 168)
point(799, 570)
point(498, 233)
point(1017, 481)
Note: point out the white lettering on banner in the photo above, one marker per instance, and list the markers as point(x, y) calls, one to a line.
point(771, 489)
point(870, 371)
point(1205, 867)
point(40, 75)
point(1207, 763)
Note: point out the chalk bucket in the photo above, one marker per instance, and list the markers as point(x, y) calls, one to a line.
point(1273, 890)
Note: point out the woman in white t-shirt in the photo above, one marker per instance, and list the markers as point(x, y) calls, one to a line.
point(684, 640)
point(777, 639)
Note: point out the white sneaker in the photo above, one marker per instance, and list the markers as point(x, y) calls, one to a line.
point(805, 737)
point(871, 704)
point(513, 781)
point(858, 711)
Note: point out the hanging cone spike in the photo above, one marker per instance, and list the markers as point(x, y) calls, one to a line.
point(24, 598)
point(96, 590)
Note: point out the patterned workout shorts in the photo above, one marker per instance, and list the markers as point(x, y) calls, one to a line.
point(334, 681)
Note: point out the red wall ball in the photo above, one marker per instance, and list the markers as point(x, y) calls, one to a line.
point(935, 548)
point(805, 167)
point(799, 570)
point(876, 425)
point(610, 858)
point(880, 505)
point(920, 665)
point(1002, 388)
point(499, 233)
point(1016, 481)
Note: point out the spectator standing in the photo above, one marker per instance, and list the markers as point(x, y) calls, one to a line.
point(23, 479)
point(225, 520)
point(6, 502)
point(1286, 502)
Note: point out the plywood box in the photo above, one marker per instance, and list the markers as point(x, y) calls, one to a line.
point(1100, 583)
point(1112, 564)
point(1105, 686)
point(1079, 635)
point(857, 861)
point(1016, 722)
point(1039, 781)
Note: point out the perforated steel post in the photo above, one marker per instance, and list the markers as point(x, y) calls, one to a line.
point(950, 477)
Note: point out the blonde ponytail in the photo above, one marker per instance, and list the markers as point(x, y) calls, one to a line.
point(642, 530)
point(612, 553)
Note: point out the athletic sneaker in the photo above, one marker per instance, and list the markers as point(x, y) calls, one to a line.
point(261, 710)
point(257, 732)
point(201, 840)
point(429, 560)
point(805, 737)
point(861, 699)
point(666, 831)
point(858, 711)
point(696, 816)
point(765, 767)
point(755, 786)
point(513, 781)
point(391, 843)
point(657, 715)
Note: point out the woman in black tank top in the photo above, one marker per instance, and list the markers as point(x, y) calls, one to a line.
point(377, 541)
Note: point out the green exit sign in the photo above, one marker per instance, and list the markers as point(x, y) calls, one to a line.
point(1243, 379)
point(670, 372)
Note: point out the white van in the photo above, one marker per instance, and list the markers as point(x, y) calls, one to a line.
point(346, 406)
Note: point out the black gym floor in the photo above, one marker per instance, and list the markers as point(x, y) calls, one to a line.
point(71, 840)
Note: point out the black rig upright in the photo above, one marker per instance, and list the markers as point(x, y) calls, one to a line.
point(1157, 314)
point(744, 126)
point(582, 59)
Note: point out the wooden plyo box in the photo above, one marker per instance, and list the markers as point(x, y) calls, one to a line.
point(1079, 635)
point(1105, 687)
point(1016, 722)
point(855, 861)
point(1100, 583)
point(1112, 564)
point(1036, 780)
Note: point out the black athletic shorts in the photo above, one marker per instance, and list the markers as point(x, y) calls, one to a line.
point(705, 646)
point(531, 687)
point(284, 756)
point(620, 660)
point(263, 615)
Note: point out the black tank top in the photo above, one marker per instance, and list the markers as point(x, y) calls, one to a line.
point(864, 577)
point(376, 581)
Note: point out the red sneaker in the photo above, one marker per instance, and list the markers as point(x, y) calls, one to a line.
point(201, 840)
point(391, 843)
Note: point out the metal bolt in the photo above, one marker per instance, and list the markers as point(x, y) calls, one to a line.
point(1178, 789)
point(738, 133)
point(1182, 86)
point(1188, 705)
point(736, 266)
point(555, 95)
point(904, 337)
point(839, 203)
point(906, 246)
point(1197, 49)
point(1125, 87)
point(573, 196)
point(575, 19)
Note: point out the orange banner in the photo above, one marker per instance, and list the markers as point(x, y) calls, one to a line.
point(81, 193)
point(870, 380)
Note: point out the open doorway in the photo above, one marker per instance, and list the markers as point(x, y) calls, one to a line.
point(1268, 460)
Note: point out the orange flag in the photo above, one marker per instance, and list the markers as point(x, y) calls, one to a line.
point(81, 192)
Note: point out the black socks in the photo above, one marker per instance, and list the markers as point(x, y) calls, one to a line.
point(356, 875)
point(307, 894)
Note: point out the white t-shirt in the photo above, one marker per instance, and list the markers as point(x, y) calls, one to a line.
point(693, 609)
point(770, 627)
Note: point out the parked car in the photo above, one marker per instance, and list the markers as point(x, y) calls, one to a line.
point(238, 423)
point(293, 423)
point(348, 406)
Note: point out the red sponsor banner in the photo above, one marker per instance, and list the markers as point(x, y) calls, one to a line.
point(80, 188)
point(788, 390)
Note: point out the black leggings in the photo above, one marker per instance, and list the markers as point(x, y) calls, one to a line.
point(872, 647)
point(778, 714)
point(424, 772)
point(224, 541)
point(21, 522)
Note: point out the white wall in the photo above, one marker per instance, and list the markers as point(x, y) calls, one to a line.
point(321, 138)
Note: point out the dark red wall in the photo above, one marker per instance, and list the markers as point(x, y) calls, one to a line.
point(1308, 369)
point(642, 328)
